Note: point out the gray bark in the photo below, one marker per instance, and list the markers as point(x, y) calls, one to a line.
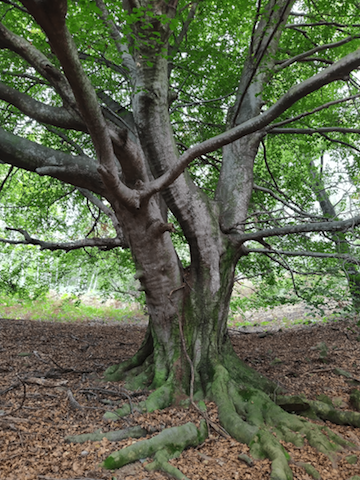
point(137, 168)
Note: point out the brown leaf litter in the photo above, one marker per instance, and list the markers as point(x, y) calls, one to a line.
point(41, 362)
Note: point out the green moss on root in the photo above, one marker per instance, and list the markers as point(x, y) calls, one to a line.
point(174, 440)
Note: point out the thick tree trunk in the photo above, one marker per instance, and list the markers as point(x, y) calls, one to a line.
point(187, 355)
point(187, 336)
point(186, 339)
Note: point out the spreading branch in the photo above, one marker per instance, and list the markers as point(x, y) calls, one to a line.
point(311, 112)
point(110, 213)
point(337, 71)
point(179, 39)
point(127, 59)
point(42, 113)
point(51, 17)
point(7, 176)
point(304, 253)
point(337, 226)
point(40, 62)
point(295, 209)
point(80, 170)
point(101, 243)
point(302, 56)
point(312, 131)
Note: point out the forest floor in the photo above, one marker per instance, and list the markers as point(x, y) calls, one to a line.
point(41, 361)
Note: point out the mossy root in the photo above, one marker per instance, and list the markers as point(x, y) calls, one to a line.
point(161, 462)
point(323, 410)
point(173, 440)
point(251, 416)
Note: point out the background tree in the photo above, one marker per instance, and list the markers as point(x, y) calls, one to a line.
point(155, 112)
point(350, 265)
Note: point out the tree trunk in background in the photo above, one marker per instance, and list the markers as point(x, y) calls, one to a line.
point(351, 269)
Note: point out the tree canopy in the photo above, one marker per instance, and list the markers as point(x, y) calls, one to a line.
point(207, 47)
point(229, 128)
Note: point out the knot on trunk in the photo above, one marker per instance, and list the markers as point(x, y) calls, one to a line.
point(158, 227)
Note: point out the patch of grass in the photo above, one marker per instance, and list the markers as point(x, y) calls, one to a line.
point(65, 309)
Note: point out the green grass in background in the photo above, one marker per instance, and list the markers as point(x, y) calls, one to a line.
point(68, 308)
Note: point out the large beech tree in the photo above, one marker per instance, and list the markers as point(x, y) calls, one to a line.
point(156, 112)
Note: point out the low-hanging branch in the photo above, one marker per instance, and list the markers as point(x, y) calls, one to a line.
point(335, 226)
point(101, 243)
point(304, 253)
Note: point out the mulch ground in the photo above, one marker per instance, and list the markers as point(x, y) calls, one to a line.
point(41, 361)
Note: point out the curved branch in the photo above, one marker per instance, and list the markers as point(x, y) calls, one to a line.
point(102, 243)
point(127, 59)
point(261, 41)
point(317, 59)
point(303, 55)
point(51, 17)
point(302, 254)
point(337, 71)
point(12, 4)
point(40, 62)
point(108, 212)
point(311, 131)
point(179, 39)
point(315, 110)
point(322, 23)
point(284, 202)
point(341, 142)
point(320, 131)
point(56, 116)
point(7, 176)
point(80, 170)
point(338, 226)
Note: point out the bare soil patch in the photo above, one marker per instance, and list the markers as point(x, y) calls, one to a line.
point(41, 361)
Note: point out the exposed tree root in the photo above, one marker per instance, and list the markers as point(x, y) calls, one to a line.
point(355, 399)
point(309, 469)
point(249, 409)
point(316, 409)
point(250, 416)
point(140, 364)
point(246, 413)
point(168, 444)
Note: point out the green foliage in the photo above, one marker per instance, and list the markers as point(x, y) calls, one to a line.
point(67, 308)
point(204, 75)
point(317, 292)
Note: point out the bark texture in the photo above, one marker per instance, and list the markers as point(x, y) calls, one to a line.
point(139, 172)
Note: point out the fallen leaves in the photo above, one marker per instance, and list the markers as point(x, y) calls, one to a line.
point(32, 440)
